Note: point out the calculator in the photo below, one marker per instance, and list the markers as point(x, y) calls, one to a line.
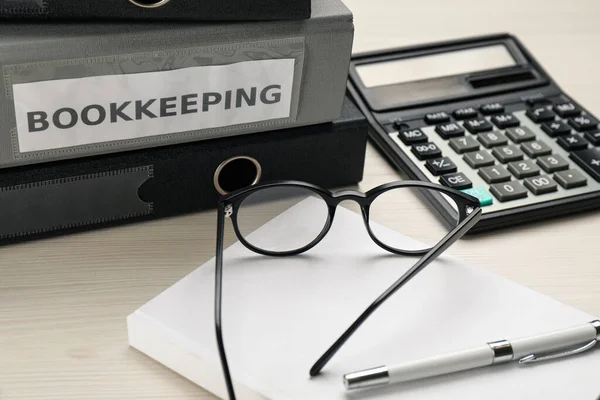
point(481, 115)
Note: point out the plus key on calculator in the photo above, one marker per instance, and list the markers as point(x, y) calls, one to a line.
point(482, 116)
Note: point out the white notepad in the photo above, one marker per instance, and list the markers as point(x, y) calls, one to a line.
point(281, 314)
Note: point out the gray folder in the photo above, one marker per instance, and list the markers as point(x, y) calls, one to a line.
point(76, 90)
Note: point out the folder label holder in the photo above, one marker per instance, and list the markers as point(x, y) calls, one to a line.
point(77, 105)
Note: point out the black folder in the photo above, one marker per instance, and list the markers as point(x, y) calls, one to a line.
point(206, 10)
point(86, 193)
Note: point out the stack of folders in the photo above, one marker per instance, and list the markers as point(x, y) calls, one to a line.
point(107, 117)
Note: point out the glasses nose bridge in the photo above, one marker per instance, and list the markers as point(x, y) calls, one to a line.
point(350, 195)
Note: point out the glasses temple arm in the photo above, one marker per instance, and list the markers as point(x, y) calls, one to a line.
point(218, 297)
point(442, 246)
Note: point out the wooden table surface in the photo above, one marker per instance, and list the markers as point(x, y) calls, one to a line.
point(63, 301)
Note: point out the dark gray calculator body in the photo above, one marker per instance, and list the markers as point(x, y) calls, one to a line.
point(481, 115)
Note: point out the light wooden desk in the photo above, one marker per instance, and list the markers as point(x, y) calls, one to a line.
point(63, 302)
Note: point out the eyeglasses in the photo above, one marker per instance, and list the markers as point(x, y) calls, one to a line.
point(249, 206)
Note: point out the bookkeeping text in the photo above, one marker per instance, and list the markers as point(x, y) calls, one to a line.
point(133, 108)
point(96, 114)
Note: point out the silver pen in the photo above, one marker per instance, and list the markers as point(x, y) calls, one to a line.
point(546, 346)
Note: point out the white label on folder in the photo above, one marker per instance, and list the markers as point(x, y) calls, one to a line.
point(73, 112)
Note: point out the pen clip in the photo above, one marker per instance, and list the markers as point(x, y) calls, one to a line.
point(533, 358)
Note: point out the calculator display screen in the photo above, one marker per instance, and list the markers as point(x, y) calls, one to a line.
point(435, 66)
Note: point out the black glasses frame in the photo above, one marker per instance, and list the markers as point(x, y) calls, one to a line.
point(469, 213)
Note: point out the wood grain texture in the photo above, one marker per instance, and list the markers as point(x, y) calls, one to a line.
point(63, 301)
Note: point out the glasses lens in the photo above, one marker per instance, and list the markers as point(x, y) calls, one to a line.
point(408, 211)
point(309, 216)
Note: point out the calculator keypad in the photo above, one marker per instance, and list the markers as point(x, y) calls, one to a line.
point(508, 191)
point(515, 156)
point(552, 163)
point(424, 151)
point(494, 174)
point(540, 185)
point(520, 134)
point(478, 159)
point(508, 153)
point(464, 144)
point(491, 139)
point(536, 148)
point(412, 136)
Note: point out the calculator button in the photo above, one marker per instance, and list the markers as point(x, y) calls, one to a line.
point(552, 163)
point(567, 110)
point(481, 194)
point(540, 114)
point(536, 149)
point(570, 179)
point(412, 136)
point(507, 153)
point(494, 174)
point(556, 128)
point(589, 161)
point(437, 118)
point(505, 121)
point(440, 166)
point(426, 150)
point(457, 181)
point(450, 130)
point(540, 101)
point(583, 123)
point(508, 191)
point(523, 169)
point(491, 139)
point(520, 134)
point(478, 159)
point(464, 144)
point(399, 125)
point(540, 185)
point(572, 142)
point(493, 108)
point(478, 125)
point(464, 113)
point(593, 137)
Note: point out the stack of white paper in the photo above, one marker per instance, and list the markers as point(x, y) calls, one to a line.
point(281, 314)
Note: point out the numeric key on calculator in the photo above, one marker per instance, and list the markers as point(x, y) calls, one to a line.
point(412, 136)
point(520, 134)
point(464, 113)
point(424, 151)
point(540, 114)
point(556, 128)
point(583, 123)
point(505, 121)
point(492, 139)
point(507, 191)
point(540, 185)
point(478, 159)
point(552, 163)
point(567, 110)
point(440, 166)
point(589, 161)
point(535, 149)
point(449, 130)
point(493, 108)
point(464, 144)
point(457, 181)
point(508, 153)
point(478, 125)
point(436, 118)
point(494, 174)
point(523, 169)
